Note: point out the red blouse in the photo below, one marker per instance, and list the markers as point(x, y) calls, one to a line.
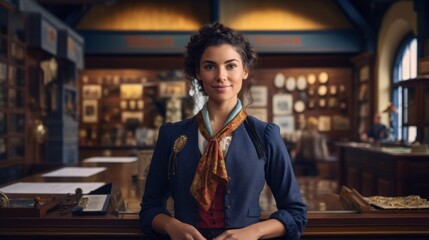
point(214, 217)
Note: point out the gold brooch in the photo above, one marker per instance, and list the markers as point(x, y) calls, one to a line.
point(180, 143)
point(178, 146)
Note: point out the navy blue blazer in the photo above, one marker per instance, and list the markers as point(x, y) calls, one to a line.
point(247, 173)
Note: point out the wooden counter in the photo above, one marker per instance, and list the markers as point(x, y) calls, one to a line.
point(331, 224)
point(386, 171)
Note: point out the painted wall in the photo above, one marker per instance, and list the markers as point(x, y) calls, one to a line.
point(398, 21)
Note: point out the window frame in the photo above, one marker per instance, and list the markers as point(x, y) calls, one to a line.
point(406, 46)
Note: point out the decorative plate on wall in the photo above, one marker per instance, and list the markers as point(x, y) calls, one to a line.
point(311, 104)
point(322, 90)
point(333, 89)
point(301, 83)
point(311, 79)
point(279, 80)
point(290, 83)
point(299, 106)
point(322, 103)
point(332, 102)
point(323, 77)
point(311, 91)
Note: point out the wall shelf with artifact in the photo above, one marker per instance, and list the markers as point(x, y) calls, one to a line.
point(124, 108)
point(288, 96)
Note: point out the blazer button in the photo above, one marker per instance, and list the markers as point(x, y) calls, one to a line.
point(228, 191)
point(228, 206)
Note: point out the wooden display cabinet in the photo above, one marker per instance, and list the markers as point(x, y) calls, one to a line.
point(364, 96)
point(13, 93)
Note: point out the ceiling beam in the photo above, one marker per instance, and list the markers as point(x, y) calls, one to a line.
point(74, 2)
point(358, 20)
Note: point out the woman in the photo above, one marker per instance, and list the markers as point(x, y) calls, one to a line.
point(310, 148)
point(215, 165)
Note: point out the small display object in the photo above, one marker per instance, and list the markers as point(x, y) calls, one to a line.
point(173, 110)
point(16, 206)
point(92, 204)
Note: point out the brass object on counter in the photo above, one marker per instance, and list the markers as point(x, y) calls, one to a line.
point(406, 202)
point(4, 200)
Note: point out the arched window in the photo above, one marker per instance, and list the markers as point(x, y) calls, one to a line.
point(405, 67)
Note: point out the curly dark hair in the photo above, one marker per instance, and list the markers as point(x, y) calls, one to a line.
point(215, 34)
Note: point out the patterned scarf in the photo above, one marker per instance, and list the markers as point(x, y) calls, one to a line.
point(211, 169)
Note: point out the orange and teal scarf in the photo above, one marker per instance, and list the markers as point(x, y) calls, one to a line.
point(211, 169)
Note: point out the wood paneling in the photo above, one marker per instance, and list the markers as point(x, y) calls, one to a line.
point(375, 170)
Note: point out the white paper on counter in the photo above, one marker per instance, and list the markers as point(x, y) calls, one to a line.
point(51, 187)
point(111, 159)
point(75, 172)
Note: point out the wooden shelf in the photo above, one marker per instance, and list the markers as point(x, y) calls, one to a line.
point(415, 113)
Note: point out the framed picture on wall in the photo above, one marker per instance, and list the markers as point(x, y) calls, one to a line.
point(286, 123)
point(132, 116)
point(324, 124)
point(259, 113)
point(91, 91)
point(340, 122)
point(131, 91)
point(172, 89)
point(259, 95)
point(89, 111)
point(282, 104)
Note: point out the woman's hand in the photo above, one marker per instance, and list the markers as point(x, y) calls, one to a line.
point(182, 231)
point(238, 234)
point(262, 230)
point(174, 228)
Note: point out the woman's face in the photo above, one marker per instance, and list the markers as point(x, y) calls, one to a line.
point(222, 73)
